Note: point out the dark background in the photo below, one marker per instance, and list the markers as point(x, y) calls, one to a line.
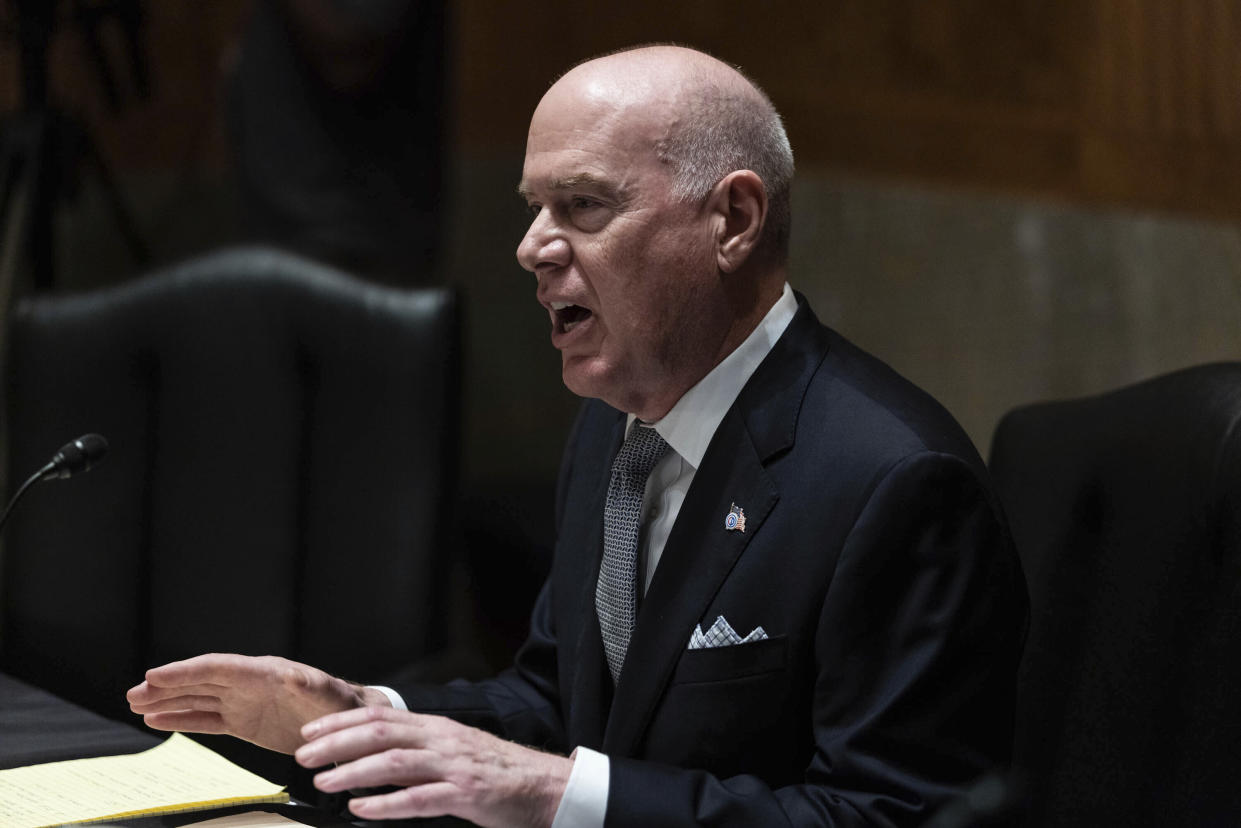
point(1009, 201)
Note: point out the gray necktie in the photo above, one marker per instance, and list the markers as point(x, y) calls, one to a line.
point(616, 591)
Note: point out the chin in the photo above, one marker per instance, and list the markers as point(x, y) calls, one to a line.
point(582, 386)
point(587, 379)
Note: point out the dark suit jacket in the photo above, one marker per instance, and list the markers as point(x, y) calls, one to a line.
point(874, 555)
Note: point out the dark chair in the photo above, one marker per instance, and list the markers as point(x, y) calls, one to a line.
point(280, 479)
point(1126, 509)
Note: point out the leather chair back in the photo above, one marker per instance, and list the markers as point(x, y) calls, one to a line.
point(282, 465)
point(1126, 510)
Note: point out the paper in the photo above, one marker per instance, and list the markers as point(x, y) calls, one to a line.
point(178, 775)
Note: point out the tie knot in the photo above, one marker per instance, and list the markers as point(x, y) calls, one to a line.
point(642, 449)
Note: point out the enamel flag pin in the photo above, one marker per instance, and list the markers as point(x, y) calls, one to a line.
point(735, 519)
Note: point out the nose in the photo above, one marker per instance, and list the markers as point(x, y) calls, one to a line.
point(544, 244)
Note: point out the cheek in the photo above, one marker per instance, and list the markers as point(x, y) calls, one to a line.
point(652, 284)
point(690, 273)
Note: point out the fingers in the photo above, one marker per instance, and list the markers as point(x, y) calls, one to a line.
point(443, 766)
point(146, 693)
point(210, 704)
point(358, 715)
point(193, 675)
point(188, 721)
point(429, 800)
point(262, 699)
point(427, 790)
point(214, 674)
point(343, 737)
point(212, 668)
point(398, 766)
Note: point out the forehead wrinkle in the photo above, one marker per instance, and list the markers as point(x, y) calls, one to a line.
point(572, 182)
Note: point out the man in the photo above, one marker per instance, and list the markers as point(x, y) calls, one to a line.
point(782, 591)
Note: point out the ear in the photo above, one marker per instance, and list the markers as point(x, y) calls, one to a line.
point(740, 202)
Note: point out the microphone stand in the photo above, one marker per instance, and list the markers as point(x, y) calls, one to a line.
point(33, 479)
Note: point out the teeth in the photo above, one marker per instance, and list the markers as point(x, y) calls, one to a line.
point(561, 305)
point(568, 326)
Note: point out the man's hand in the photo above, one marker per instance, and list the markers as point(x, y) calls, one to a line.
point(441, 766)
point(265, 700)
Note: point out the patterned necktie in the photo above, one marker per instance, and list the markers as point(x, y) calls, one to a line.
point(616, 591)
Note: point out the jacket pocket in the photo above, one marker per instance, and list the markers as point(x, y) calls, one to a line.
point(732, 662)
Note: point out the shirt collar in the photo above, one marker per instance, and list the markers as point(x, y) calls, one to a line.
point(690, 425)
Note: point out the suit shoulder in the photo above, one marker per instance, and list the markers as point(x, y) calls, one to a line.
point(856, 399)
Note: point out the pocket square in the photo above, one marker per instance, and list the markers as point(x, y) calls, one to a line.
point(722, 634)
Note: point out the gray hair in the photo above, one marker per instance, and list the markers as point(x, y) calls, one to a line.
point(720, 130)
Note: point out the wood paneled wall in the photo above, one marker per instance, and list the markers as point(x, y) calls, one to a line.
point(1129, 102)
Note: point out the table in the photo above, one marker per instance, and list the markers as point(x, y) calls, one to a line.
point(39, 727)
point(36, 726)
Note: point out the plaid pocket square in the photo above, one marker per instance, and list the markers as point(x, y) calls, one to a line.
point(722, 634)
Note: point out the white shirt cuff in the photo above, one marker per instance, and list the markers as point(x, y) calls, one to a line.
point(585, 800)
point(394, 698)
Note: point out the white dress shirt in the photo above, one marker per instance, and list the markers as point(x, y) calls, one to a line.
point(688, 429)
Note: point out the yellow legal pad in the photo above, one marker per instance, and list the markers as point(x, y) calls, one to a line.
point(179, 775)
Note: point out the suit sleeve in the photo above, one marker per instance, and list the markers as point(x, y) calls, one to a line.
point(915, 656)
point(522, 703)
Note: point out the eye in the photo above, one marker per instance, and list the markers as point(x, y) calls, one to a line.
point(534, 208)
point(588, 214)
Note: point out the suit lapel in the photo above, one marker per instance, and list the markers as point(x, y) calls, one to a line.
point(700, 551)
point(591, 693)
point(698, 556)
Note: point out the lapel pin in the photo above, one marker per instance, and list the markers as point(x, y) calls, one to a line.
point(735, 519)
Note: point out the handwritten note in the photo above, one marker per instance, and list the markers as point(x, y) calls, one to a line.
point(178, 775)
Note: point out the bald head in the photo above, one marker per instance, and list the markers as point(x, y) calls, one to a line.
point(657, 181)
point(704, 118)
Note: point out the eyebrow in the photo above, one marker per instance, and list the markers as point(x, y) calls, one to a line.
point(571, 182)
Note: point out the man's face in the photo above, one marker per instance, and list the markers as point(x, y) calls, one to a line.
point(626, 272)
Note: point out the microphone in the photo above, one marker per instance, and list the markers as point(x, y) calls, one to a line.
point(76, 456)
point(80, 455)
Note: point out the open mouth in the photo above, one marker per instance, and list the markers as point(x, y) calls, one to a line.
point(569, 316)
